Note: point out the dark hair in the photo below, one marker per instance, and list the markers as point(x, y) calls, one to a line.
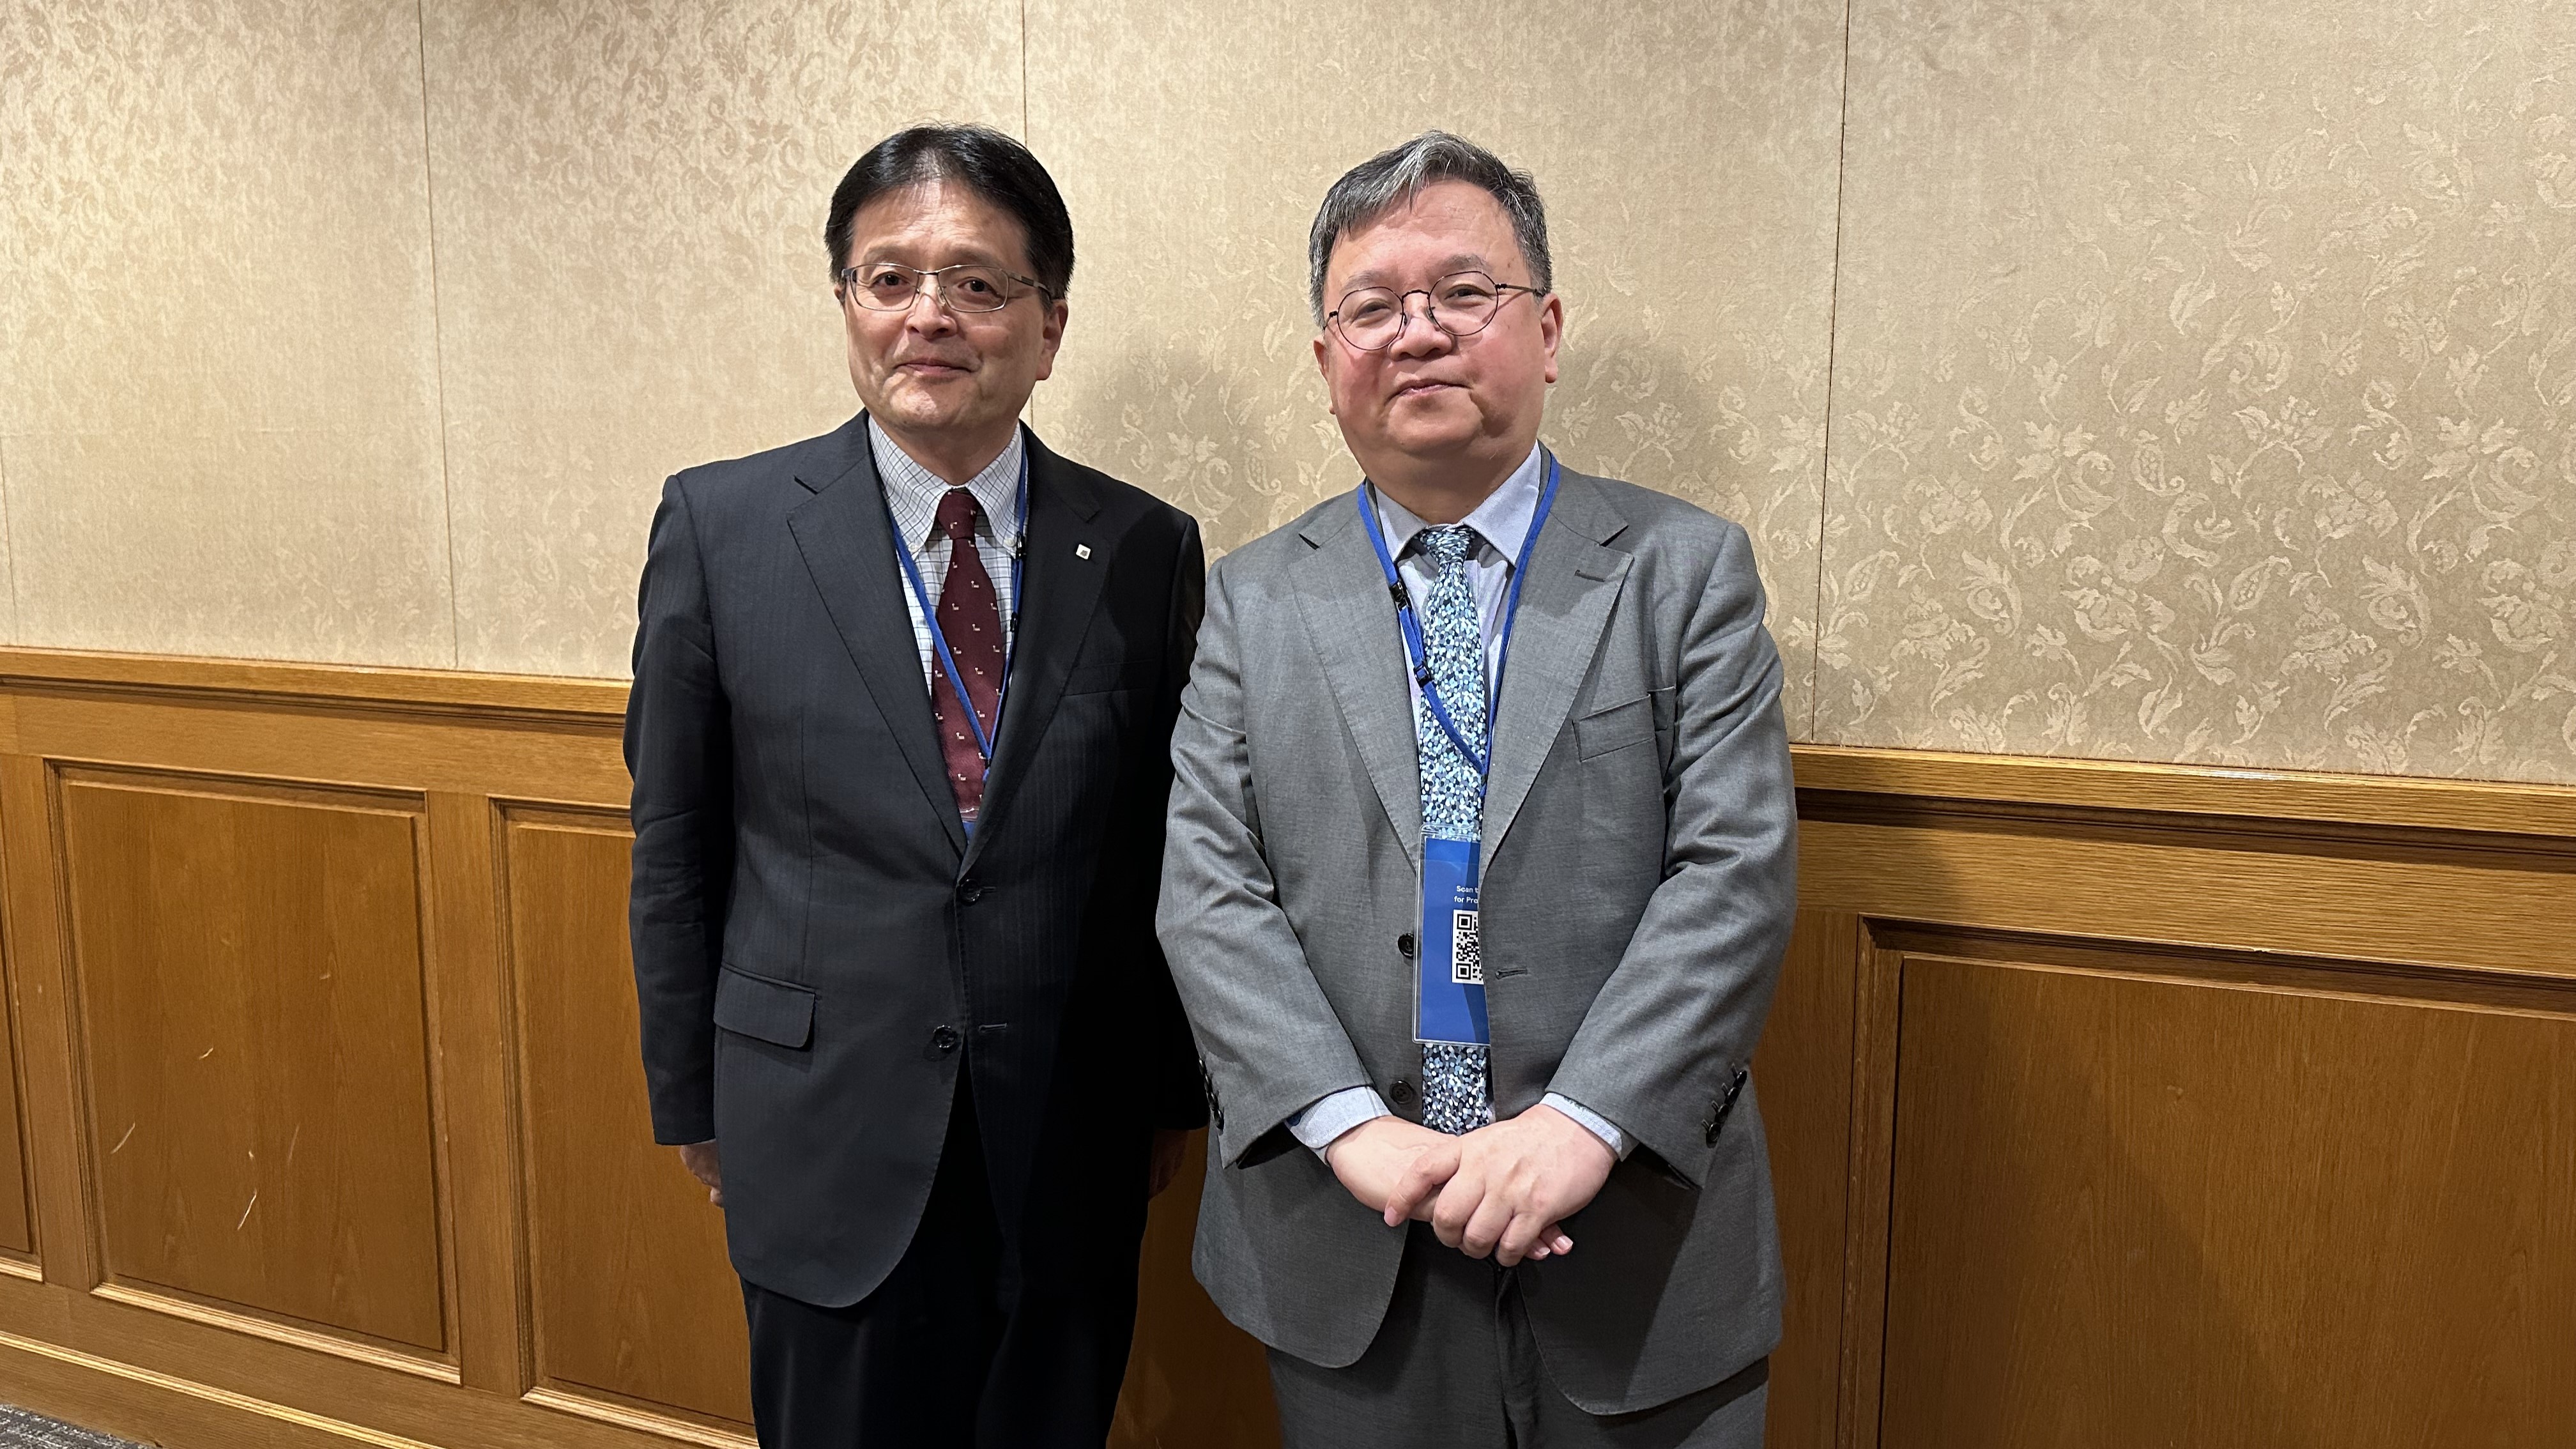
point(1399, 174)
point(997, 168)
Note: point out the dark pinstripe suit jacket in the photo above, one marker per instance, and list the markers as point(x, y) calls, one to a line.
point(820, 949)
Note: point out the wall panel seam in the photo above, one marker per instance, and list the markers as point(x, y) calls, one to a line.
point(8, 542)
point(1833, 335)
point(438, 341)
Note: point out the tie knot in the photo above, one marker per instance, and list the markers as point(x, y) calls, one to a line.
point(1449, 543)
point(957, 512)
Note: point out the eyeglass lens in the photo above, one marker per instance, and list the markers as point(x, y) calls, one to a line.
point(891, 286)
point(1461, 304)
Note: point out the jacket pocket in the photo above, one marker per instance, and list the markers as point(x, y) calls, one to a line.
point(779, 1012)
point(1101, 677)
point(1615, 728)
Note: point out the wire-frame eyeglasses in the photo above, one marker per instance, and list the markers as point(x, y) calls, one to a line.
point(1461, 304)
point(965, 287)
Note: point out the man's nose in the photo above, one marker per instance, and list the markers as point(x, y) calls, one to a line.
point(929, 312)
point(1420, 336)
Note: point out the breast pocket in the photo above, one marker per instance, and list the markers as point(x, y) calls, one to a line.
point(1625, 821)
point(1617, 727)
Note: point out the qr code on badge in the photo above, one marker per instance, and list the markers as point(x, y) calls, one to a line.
point(1466, 950)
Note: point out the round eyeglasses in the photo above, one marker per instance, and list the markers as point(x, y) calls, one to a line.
point(965, 287)
point(1461, 304)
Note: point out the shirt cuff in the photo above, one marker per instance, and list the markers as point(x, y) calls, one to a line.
point(1599, 1126)
point(1329, 1117)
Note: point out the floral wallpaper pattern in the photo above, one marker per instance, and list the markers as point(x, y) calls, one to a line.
point(630, 201)
point(2204, 391)
point(2180, 382)
point(218, 357)
point(1690, 222)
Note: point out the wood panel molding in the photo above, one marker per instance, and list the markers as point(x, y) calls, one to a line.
point(417, 693)
point(2165, 1194)
point(2116, 790)
point(630, 1295)
point(280, 926)
point(2003, 970)
point(106, 1393)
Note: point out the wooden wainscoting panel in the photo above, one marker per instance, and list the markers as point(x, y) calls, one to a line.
point(2231, 885)
point(2231, 1107)
point(1876, 969)
point(1804, 1066)
point(631, 1293)
point(1193, 1378)
point(17, 1206)
point(253, 1048)
point(2131, 1209)
point(329, 743)
point(473, 1080)
point(39, 997)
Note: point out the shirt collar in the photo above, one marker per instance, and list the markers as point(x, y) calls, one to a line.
point(914, 491)
point(1502, 521)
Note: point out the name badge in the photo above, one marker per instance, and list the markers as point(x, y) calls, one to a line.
point(1449, 964)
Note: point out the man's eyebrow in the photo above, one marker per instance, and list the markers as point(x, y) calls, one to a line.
point(1455, 262)
point(970, 255)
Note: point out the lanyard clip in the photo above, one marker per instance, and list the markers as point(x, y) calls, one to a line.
point(1403, 600)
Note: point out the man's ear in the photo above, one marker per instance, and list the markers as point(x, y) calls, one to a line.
point(1551, 330)
point(1324, 365)
point(1051, 336)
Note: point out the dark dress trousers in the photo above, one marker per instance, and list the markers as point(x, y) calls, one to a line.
point(850, 993)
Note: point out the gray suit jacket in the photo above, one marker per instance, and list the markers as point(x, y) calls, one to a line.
point(1640, 844)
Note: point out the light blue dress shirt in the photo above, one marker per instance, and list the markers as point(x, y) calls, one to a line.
point(912, 494)
point(1502, 525)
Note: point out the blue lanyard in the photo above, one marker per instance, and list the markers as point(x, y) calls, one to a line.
point(1411, 625)
point(939, 642)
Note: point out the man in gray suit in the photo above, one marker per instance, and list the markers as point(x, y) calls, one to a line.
point(1482, 1182)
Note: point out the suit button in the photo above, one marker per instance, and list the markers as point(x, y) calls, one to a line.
point(1404, 945)
point(943, 1040)
point(1400, 1092)
point(969, 891)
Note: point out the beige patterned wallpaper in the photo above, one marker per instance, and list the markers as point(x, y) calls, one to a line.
point(218, 353)
point(631, 275)
point(2199, 376)
point(2204, 384)
point(1691, 215)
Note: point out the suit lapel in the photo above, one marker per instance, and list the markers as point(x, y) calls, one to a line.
point(1565, 603)
point(842, 534)
point(1342, 597)
point(1065, 563)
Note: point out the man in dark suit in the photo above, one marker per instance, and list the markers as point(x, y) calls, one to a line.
point(903, 695)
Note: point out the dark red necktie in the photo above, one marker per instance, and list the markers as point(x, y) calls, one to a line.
point(970, 619)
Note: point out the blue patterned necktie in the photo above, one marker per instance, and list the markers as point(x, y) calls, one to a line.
point(1456, 1096)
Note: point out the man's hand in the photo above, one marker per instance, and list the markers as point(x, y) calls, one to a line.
point(700, 1159)
point(1516, 1181)
point(1387, 1156)
point(1171, 1149)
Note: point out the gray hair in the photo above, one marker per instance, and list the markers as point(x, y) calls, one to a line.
point(1399, 174)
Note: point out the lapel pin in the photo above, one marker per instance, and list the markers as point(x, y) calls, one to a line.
point(1082, 550)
